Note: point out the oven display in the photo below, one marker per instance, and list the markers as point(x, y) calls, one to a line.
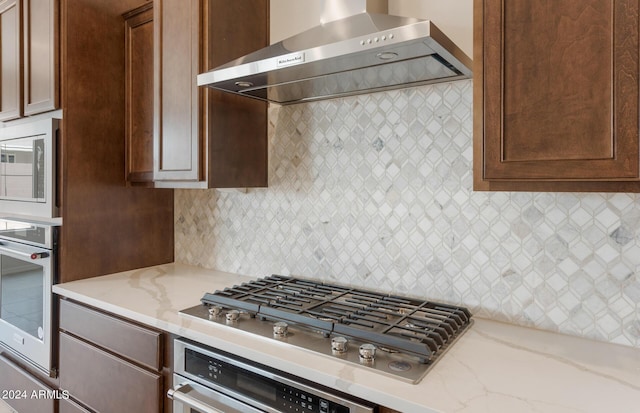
point(250, 384)
point(256, 387)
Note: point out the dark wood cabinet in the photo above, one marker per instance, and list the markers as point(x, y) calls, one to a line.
point(11, 58)
point(26, 394)
point(107, 226)
point(105, 383)
point(204, 138)
point(74, 61)
point(41, 56)
point(109, 364)
point(139, 95)
point(29, 56)
point(70, 406)
point(556, 95)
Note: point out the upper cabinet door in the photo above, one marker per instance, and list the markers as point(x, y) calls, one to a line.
point(205, 138)
point(10, 60)
point(179, 142)
point(41, 56)
point(556, 95)
point(138, 66)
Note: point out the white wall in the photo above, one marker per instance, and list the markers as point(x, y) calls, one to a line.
point(453, 17)
point(289, 17)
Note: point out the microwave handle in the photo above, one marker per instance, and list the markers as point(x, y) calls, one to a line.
point(56, 163)
point(178, 394)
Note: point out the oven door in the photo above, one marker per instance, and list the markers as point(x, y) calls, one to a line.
point(191, 397)
point(25, 302)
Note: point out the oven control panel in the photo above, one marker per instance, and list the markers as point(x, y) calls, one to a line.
point(294, 400)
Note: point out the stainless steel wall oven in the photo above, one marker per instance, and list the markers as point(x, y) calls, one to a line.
point(208, 380)
point(27, 272)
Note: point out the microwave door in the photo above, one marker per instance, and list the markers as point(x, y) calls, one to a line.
point(19, 169)
point(28, 169)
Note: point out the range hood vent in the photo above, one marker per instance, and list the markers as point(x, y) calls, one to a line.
point(353, 51)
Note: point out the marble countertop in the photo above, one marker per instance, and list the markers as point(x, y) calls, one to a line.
point(493, 368)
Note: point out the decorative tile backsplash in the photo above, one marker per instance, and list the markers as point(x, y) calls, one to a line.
point(376, 191)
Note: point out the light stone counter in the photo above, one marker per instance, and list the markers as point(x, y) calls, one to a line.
point(493, 368)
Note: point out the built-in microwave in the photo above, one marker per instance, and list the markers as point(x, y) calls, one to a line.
point(28, 169)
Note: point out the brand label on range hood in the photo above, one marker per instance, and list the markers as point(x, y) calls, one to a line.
point(291, 59)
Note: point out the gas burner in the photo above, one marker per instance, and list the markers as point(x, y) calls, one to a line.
point(395, 335)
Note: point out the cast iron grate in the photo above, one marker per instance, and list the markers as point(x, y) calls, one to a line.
point(419, 328)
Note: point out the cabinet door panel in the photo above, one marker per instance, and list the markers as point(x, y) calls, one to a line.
point(104, 382)
point(560, 90)
point(10, 60)
point(178, 142)
point(41, 84)
point(139, 95)
point(203, 138)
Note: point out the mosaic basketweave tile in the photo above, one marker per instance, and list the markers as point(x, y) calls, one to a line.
point(376, 191)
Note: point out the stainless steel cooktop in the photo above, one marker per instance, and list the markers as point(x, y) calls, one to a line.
point(396, 336)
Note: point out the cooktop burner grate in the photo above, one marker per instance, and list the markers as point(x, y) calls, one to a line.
point(415, 327)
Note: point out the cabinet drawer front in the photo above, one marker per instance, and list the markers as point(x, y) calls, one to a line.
point(104, 382)
point(14, 379)
point(68, 406)
point(128, 340)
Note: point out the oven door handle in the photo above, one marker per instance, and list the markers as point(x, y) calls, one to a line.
point(179, 393)
point(33, 253)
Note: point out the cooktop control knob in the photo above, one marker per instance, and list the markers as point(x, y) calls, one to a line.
point(339, 345)
point(367, 353)
point(233, 315)
point(280, 329)
point(214, 311)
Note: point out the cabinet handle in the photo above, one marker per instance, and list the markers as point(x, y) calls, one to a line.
point(178, 393)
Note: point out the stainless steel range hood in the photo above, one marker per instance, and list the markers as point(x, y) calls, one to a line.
point(353, 51)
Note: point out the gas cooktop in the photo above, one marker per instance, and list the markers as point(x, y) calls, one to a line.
point(397, 336)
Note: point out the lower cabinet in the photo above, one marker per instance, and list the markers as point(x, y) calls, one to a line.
point(110, 365)
point(69, 406)
point(23, 392)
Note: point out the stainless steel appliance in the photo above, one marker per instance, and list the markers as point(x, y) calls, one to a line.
point(356, 49)
point(27, 271)
point(28, 169)
point(396, 336)
point(207, 380)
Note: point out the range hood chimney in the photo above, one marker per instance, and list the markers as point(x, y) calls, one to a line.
point(357, 48)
